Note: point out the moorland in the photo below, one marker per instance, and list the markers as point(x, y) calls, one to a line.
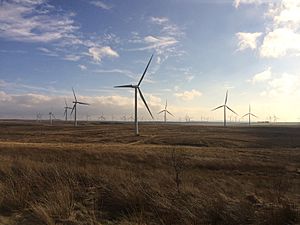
point(101, 173)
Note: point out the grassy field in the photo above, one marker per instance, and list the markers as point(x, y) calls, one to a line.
point(171, 174)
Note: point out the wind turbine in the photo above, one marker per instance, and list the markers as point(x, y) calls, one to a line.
point(165, 111)
point(187, 118)
point(225, 107)
point(66, 110)
point(136, 90)
point(75, 107)
point(51, 116)
point(275, 118)
point(102, 118)
point(249, 114)
point(38, 117)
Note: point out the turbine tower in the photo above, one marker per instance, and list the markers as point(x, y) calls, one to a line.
point(66, 110)
point(249, 114)
point(225, 106)
point(136, 90)
point(75, 107)
point(165, 111)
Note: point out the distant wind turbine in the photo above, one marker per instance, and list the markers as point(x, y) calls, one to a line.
point(38, 117)
point(136, 90)
point(249, 114)
point(102, 117)
point(75, 107)
point(187, 118)
point(165, 111)
point(225, 106)
point(275, 118)
point(66, 110)
point(51, 116)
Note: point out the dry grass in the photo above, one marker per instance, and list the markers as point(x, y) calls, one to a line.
point(170, 175)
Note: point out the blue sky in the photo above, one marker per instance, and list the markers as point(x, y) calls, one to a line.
point(201, 49)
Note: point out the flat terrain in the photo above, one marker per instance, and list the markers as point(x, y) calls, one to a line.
point(170, 174)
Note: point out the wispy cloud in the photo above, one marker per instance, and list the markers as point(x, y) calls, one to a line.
point(165, 42)
point(237, 3)
point(283, 86)
point(247, 40)
point(40, 22)
point(82, 67)
point(262, 76)
point(97, 53)
point(73, 58)
point(127, 73)
point(34, 21)
point(188, 95)
point(159, 20)
point(101, 4)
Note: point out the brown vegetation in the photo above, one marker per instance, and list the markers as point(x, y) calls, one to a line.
point(171, 174)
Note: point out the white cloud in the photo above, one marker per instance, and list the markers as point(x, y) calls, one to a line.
point(188, 95)
point(165, 41)
point(159, 20)
point(97, 53)
point(34, 21)
point(159, 41)
point(73, 58)
point(101, 4)
point(4, 97)
point(282, 33)
point(262, 76)
point(288, 12)
point(120, 71)
point(286, 84)
point(280, 42)
point(237, 3)
point(247, 40)
point(189, 78)
point(82, 67)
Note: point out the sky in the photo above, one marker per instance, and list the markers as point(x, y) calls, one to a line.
point(201, 49)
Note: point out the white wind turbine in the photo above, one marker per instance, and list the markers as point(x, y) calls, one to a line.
point(165, 111)
point(249, 114)
point(38, 117)
point(136, 90)
point(225, 106)
point(75, 107)
point(51, 117)
point(66, 110)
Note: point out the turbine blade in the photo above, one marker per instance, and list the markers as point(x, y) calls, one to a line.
point(161, 111)
point(124, 86)
point(226, 98)
point(145, 102)
point(245, 115)
point(74, 94)
point(232, 110)
point(170, 113)
point(217, 108)
point(166, 104)
point(253, 115)
point(66, 103)
point(145, 71)
point(83, 103)
point(73, 109)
